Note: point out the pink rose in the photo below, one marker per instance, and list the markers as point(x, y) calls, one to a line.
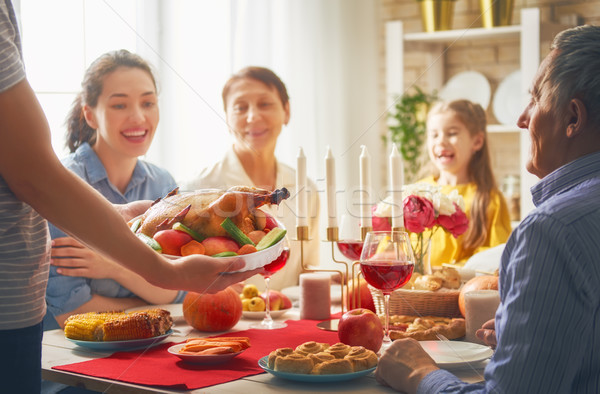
point(418, 214)
point(380, 223)
point(456, 224)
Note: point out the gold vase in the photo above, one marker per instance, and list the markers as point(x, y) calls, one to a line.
point(437, 14)
point(496, 12)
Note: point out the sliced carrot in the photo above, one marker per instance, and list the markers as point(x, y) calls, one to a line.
point(219, 350)
point(246, 249)
point(192, 247)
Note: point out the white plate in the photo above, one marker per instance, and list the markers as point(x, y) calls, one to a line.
point(253, 260)
point(508, 100)
point(302, 377)
point(202, 358)
point(469, 85)
point(261, 314)
point(121, 345)
point(293, 293)
point(453, 354)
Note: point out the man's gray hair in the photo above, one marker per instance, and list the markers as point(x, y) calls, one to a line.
point(575, 71)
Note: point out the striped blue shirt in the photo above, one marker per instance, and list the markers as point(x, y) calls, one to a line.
point(548, 323)
point(23, 233)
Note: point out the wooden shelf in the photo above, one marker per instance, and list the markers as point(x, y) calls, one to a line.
point(480, 33)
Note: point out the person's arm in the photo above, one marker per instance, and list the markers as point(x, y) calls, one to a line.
point(101, 303)
point(499, 226)
point(36, 176)
point(74, 259)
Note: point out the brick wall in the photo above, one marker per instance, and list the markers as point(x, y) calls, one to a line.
point(493, 61)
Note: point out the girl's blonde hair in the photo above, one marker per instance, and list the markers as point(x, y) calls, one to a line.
point(479, 171)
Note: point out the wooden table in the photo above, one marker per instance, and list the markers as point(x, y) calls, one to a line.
point(56, 350)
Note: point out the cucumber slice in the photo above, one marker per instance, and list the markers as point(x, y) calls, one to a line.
point(224, 254)
point(194, 234)
point(136, 224)
point(272, 237)
point(235, 233)
point(150, 242)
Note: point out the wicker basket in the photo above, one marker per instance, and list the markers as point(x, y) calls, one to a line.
point(443, 302)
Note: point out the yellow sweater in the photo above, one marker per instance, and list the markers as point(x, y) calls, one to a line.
point(447, 249)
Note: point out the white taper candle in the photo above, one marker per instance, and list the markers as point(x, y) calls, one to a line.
point(330, 189)
point(365, 187)
point(301, 202)
point(396, 169)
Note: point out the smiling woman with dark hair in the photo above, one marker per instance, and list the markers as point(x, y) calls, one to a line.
point(112, 122)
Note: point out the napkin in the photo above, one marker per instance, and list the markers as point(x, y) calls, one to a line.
point(157, 367)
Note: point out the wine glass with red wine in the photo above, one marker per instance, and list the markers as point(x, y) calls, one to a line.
point(387, 263)
point(268, 270)
point(350, 244)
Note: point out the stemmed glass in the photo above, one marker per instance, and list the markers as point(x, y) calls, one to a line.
point(387, 263)
point(350, 244)
point(268, 270)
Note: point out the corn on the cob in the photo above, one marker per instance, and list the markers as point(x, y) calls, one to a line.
point(118, 326)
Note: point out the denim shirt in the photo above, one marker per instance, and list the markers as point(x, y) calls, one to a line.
point(148, 182)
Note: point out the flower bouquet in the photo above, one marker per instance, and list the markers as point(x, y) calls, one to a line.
point(426, 209)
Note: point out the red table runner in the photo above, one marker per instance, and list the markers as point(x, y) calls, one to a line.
point(157, 367)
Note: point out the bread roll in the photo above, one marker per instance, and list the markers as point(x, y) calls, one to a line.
point(339, 350)
point(428, 282)
point(311, 347)
point(281, 352)
point(335, 366)
point(450, 277)
point(293, 363)
point(361, 358)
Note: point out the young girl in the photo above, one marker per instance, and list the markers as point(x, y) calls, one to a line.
point(112, 122)
point(458, 149)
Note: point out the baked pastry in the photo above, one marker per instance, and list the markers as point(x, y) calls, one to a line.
point(281, 352)
point(338, 350)
point(450, 277)
point(426, 328)
point(312, 347)
point(428, 282)
point(293, 363)
point(336, 359)
point(335, 366)
point(361, 358)
point(321, 357)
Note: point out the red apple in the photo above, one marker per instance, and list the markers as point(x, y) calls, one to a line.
point(171, 241)
point(277, 300)
point(361, 327)
point(214, 245)
point(366, 299)
point(286, 303)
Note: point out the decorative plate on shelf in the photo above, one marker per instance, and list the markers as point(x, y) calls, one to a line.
point(202, 358)
point(122, 345)
point(508, 100)
point(301, 377)
point(469, 85)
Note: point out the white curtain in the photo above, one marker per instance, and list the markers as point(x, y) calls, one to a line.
point(327, 53)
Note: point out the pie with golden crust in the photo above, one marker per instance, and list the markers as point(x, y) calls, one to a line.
point(426, 328)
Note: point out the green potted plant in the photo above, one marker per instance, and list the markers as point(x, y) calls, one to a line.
point(408, 128)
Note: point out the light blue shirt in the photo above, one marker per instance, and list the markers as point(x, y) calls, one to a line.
point(148, 182)
point(548, 322)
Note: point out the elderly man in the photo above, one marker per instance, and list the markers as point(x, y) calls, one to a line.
point(547, 325)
